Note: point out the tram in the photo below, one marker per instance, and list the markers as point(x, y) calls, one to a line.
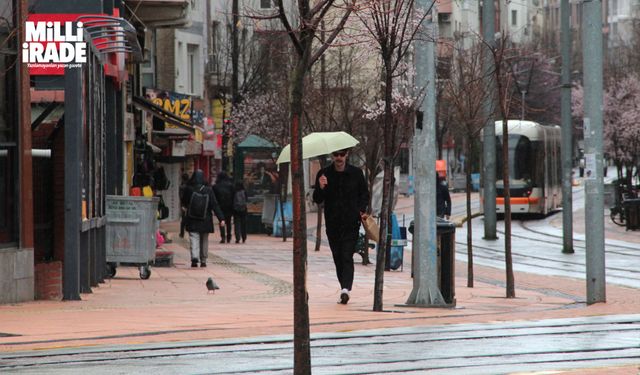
point(535, 168)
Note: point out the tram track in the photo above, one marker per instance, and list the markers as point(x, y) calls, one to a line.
point(495, 258)
point(575, 342)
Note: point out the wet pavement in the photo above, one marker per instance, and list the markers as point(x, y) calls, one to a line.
point(534, 346)
point(162, 322)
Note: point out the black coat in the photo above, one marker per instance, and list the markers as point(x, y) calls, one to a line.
point(345, 197)
point(201, 225)
point(443, 199)
point(223, 190)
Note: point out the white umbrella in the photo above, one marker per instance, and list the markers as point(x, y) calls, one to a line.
point(320, 143)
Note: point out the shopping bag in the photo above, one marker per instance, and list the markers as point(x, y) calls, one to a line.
point(371, 228)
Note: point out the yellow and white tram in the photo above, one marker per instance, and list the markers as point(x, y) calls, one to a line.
point(535, 172)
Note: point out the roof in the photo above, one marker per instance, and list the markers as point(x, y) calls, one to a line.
point(253, 141)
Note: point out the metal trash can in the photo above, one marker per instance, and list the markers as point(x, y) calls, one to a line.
point(446, 248)
point(632, 213)
point(446, 234)
point(131, 232)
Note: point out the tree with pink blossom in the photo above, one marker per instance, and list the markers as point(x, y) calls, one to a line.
point(621, 121)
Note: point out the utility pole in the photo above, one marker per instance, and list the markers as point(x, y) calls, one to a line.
point(567, 133)
point(425, 277)
point(489, 134)
point(594, 196)
point(24, 116)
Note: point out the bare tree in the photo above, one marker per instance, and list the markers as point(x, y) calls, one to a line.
point(393, 25)
point(465, 93)
point(502, 57)
point(302, 34)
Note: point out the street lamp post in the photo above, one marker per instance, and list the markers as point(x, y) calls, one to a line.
point(524, 92)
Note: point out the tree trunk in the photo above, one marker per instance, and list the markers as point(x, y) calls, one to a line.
point(386, 190)
point(365, 252)
point(511, 292)
point(502, 100)
point(301, 341)
point(467, 172)
point(235, 52)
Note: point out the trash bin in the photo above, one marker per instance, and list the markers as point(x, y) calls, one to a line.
point(394, 255)
point(131, 232)
point(632, 213)
point(446, 248)
point(446, 235)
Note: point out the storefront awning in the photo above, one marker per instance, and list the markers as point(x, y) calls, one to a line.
point(163, 114)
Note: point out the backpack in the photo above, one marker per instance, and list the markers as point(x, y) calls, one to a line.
point(240, 201)
point(198, 204)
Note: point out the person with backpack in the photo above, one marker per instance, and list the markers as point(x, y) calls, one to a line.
point(223, 189)
point(200, 204)
point(240, 213)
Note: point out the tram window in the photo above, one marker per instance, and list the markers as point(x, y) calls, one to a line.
point(522, 159)
point(537, 164)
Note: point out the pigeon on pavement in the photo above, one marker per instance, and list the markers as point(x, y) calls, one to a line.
point(211, 285)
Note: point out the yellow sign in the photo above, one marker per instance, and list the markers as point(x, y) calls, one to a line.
point(221, 109)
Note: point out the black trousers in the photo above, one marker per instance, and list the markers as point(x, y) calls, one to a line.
point(183, 222)
point(342, 251)
point(225, 233)
point(240, 226)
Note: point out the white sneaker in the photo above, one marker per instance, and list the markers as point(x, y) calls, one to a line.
point(344, 297)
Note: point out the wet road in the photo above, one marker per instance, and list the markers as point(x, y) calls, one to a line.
point(553, 344)
point(537, 248)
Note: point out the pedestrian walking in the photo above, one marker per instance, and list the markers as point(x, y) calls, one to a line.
point(201, 204)
point(443, 198)
point(240, 213)
point(183, 212)
point(223, 190)
point(343, 190)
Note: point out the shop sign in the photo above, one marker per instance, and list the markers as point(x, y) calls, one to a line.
point(179, 148)
point(187, 107)
point(52, 43)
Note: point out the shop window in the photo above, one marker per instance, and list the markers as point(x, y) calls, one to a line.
point(8, 146)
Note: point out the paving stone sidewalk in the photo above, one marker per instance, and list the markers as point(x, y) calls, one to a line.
point(256, 298)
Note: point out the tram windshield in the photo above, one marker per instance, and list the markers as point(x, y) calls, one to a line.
point(525, 170)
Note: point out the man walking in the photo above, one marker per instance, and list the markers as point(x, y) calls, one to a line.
point(343, 190)
point(201, 204)
point(223, 189)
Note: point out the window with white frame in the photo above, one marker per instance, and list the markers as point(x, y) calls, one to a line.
point(192, 68)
